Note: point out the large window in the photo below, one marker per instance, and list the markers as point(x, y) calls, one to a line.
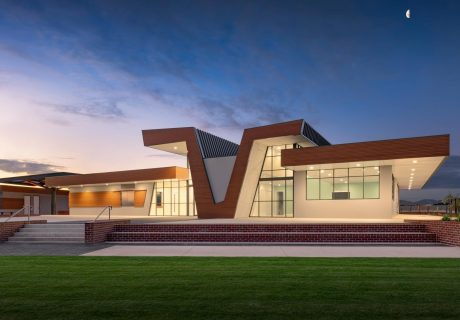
point(343, 183)
point(274, 195)
point(173, 198)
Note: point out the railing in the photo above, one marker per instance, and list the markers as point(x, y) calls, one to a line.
point(419, 208)
point(17, 212)
point(103, 210)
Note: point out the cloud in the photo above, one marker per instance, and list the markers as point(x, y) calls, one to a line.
point(240, 113)
point(108, 110)
point(59, 122)
point(448, 175)
point(29, 167)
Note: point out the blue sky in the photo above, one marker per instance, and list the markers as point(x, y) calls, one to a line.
point(83, 78)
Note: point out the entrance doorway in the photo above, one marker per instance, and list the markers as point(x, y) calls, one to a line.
point(32, 205)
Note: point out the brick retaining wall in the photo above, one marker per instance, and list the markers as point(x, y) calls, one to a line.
point(241, 237)
point(446, 231)
point(8, 229)
point(96, 232)
point(287, 227)
point(245, 233)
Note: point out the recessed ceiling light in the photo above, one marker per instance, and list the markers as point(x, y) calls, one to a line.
point(414, 161)
point(329, 174)
point(322, 171)
point(358, 164)
point(106, 184)
point(376, 168)
point(412, 174)
point(412, 169)
point(311, 168)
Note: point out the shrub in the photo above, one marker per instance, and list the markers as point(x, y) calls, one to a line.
point(445, 217)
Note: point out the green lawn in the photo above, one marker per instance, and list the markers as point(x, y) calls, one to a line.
point(228, 288)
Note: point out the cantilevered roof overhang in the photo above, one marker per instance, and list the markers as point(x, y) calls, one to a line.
point(129, 176)
point(414, 160)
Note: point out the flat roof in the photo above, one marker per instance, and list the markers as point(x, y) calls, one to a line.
point(33, 180)
point(414, 160)
point(164, 173)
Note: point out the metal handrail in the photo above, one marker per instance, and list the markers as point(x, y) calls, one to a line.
point(17, 212)
point(103, 210)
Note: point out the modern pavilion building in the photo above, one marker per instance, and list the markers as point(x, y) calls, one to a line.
point(280, 170)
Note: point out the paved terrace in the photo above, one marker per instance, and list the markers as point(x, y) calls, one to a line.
point(385, 251)
point(193, 220)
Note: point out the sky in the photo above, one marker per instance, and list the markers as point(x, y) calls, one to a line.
point(79, 80)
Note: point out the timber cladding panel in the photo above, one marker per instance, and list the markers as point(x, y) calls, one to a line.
point(120, 176)
point(11, 203)
point(103, 199)
point(419, 147)
point(203, 195)
point(95, 199)
point(30, 191)
point(139, 198)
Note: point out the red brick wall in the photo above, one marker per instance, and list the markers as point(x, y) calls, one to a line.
point(96, 232)
point(7, 229)
point(389, 232)
point(273, 227)
point(221, 237)
point(446, 231)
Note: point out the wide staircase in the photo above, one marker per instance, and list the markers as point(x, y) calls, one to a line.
point(396, 233)
point(50, 233)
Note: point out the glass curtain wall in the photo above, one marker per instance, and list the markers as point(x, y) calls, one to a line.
point(173, 198)
point(275, 191)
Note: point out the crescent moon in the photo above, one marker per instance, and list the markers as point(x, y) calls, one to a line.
point(408, 14)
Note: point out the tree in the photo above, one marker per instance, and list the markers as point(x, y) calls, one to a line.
point(452, 202)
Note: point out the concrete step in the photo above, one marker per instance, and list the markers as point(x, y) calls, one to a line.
point(31, 230)
point(47, 239)
point(45, 242)
point(50, 233)
point(80, 226)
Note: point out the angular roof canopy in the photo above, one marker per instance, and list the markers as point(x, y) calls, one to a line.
point(119, 176)
point(211, 146)
point(414, 160)
point(34, 180)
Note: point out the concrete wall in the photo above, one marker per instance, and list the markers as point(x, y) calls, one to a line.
point(354, 209)
point(396, 198)
point(117, 211)
point(219, 171)
point(251, 179)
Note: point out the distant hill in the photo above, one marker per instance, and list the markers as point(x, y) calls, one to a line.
point(423, 202)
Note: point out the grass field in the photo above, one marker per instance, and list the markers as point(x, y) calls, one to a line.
point(228, 288)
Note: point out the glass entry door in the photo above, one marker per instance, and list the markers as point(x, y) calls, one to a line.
point(172, 198)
